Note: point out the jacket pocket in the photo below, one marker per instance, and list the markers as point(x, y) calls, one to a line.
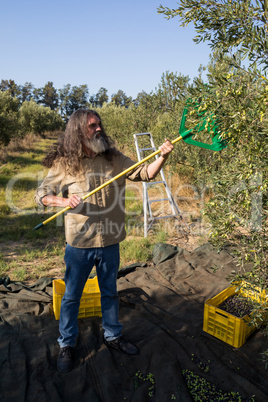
point(80, 188)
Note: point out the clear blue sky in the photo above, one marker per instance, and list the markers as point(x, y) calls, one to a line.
point(120, 44)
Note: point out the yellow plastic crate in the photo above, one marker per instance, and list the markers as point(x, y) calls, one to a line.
point(225, 326)
point(90, 304)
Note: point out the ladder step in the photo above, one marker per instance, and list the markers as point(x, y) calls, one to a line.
point(150, 183)
point(163, 217)
point(142, 134)
point(161, 199)
point(147, 149)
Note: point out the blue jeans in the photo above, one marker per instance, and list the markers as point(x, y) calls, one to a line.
point(79, 263)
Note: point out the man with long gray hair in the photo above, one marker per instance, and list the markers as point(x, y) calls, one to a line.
point(83, 159)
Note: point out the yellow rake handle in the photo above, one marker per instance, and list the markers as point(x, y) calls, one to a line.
point(106, 184)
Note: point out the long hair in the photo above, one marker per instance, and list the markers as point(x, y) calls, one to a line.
point(69, 148)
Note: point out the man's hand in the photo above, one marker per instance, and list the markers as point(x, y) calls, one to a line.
point(166, 148)
point(73, 201)
point(55, 201)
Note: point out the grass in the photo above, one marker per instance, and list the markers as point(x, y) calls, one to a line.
point(28, 255)
point(135, 250)
point(3, 265)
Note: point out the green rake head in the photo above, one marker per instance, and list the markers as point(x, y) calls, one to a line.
point(210, 125)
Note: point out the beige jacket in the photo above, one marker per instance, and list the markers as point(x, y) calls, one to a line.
point(100, 220)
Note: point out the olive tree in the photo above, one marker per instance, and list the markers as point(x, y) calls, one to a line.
point(236, 97)
point(38, 118)
point(228, 25)
point(9, 109)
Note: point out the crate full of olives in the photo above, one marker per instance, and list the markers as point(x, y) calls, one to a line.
point(235, 313)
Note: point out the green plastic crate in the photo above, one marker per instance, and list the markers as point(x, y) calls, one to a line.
point(90, 304)
point(225, 326)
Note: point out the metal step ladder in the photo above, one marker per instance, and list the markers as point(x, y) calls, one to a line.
point(149, 147)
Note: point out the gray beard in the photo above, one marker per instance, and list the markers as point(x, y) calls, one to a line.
point(97, 144)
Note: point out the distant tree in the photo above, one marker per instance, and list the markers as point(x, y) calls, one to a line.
point(37, 95)
point(38, 118)
point(146, 109)
point(93, 100)
point(49, 96)
point(9, 108)
point(26, 91)
point(64, 94)
point(121, 99)
point(79, 97)
point(73, 98)
point(11, 87)
point(141, 98)
point(99, 98)
point(172, 89)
